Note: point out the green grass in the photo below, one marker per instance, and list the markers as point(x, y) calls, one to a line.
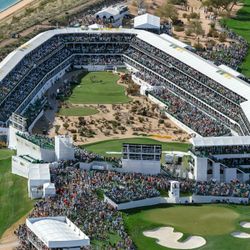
point(213, 222)
point(14, 201)
point(116, 145)
point(5, 153)
point(99, 88)
point(241, 25)
point(77, 111)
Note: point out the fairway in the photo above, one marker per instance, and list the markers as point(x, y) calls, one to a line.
point(77, 111)
point(213, 222)
point(14, 201)
point(241, 25)
point(116, 145)
point(99, 88)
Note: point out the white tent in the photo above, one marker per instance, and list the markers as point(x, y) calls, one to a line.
point(147, 22)
point(49, 189)
point(57, 232)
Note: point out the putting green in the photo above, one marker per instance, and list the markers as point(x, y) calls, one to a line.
point(215, 223)
point(116, 145)
point(99, 88)
point(197, 220)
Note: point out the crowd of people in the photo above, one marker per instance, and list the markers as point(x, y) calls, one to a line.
point(222, 150)
point(79, 196)
point(211, 100)
point(231, 54)
point(36, 68)
point(182, 78)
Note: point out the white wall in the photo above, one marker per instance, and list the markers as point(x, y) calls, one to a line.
point(137, 166)
point(20, 166)
point(64, 148)
point(182, 200)
point(230, 174)
point(25, 147)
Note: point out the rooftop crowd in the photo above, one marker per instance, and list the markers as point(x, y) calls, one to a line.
point(231, 54)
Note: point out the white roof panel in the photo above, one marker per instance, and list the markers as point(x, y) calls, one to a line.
point(175, 41)
point(39, 172)
point(220, 141)
point(230, 70)
point(57, 232)
point(147, 21)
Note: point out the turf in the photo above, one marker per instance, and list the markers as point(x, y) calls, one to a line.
point(241, 25)
point(99, 88)
point(14, 201)
point(213, 222)
point(77, 111)
point(116, 145)
point(5, 153)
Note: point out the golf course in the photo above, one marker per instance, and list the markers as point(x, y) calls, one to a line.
point(214, 223)
point(14, 201)
point(98, 88)
point(103, 147)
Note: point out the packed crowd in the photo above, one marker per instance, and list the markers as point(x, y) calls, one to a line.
point(209, 101)
point(79, 196)
point(231, 54)
point(221, 150)
point(182, 78)
point(36, 68)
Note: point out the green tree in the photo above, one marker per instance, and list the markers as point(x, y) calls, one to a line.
point(196, 28)
point(168, 11)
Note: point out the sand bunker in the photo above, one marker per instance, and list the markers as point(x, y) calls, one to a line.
point(245, 224)
point(168, 238)
point(241, 235)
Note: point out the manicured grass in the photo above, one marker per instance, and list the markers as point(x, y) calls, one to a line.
point(116, 145)
point(77, 111)
point(241, 25)
point(213, 222)
point(14, 201)
point(99, 88)
point(5, 153)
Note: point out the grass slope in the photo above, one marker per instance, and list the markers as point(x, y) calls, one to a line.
point(14, 202)
point(77, 111)
point(241, 25)
point(98, 88)
point(116, 145)
point(213, 222)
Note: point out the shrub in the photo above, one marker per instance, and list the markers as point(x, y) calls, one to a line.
point(178, 28)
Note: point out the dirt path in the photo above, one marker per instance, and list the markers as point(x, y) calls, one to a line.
point(9, 240)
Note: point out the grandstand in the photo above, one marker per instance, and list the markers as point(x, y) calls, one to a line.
point(181, 81)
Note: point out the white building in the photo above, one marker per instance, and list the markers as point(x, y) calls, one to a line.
point(147, 22)
point(145, 159)
point(64, 148)
point(38, 176)
point(55, 233)
point(220, 158)
point(112, 14)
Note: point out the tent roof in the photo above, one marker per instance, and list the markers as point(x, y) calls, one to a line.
point(220, 141)
point(39, 172)
point(147, 21)
point(57, 232)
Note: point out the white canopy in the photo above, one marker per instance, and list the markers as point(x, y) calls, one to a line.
point(220, 141)
point(57, 232)
point(230, 70)
point(147, 21)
